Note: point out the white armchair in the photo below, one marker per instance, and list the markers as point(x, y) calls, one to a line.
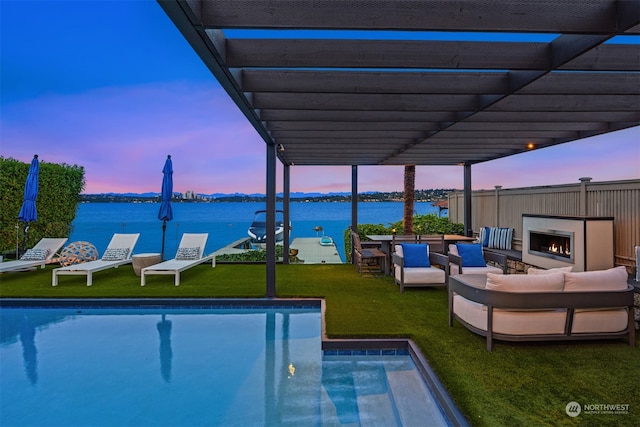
point(415, 266)
point(471, 258)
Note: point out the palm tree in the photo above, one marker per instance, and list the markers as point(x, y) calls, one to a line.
point(409, 196)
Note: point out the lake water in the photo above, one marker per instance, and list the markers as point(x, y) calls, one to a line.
point(225, 222)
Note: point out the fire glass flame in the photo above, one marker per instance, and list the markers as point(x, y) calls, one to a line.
point(551, 243)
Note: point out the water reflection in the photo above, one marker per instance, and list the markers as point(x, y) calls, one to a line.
point(29, 351)
point(166, 353)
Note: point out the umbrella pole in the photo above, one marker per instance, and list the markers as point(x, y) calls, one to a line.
point(24, 237)
point(164, 230)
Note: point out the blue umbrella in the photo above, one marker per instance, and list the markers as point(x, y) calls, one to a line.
point(28, 212)
point(166, 214)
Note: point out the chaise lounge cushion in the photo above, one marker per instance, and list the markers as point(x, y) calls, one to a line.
point(525, 283)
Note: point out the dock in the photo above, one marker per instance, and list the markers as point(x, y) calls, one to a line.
point(310, 251)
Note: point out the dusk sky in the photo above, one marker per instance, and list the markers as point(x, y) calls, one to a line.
point(114, 87)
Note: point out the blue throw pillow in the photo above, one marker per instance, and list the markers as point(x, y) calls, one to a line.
point(416, 254)
point(471, 254)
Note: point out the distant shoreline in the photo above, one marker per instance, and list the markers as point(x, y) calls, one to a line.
point(420, 196)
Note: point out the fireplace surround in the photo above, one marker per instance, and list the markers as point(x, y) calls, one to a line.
point(583, 242)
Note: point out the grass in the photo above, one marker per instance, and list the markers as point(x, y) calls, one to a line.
point(518, 384)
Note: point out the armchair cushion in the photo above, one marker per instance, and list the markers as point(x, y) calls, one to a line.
point(415, 254)
point(471, 254)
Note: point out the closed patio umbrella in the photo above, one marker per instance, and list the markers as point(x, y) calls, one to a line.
point(28, 212)
point(166, 214)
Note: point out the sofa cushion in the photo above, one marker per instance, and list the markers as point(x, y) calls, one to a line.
point(534, 271)
point(602, 320)
point(471, 254)
point(416, 254)
point(512, 322)
point(601, 280)
point(525, 283)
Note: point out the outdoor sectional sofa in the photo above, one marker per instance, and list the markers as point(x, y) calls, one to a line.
point(544, 305)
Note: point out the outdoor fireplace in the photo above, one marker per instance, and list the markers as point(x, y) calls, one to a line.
point(554, 244)
point(584, 243)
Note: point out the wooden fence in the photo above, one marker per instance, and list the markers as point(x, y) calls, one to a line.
point(504, 208)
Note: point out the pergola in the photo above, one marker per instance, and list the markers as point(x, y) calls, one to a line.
point(399, 82)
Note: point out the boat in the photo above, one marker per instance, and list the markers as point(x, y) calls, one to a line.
point(326, 241)
point(258, 229)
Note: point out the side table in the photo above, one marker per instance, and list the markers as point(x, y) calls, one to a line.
point(141, 261)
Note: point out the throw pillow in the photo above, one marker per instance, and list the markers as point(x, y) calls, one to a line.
point(483, 236)
point(188, 254)
point(537, 271)
point(471, 254)
point(525, 283)
point(35, 255)
point(115, 254)
point(500, 238)
point(416, 254)
point(601, 280)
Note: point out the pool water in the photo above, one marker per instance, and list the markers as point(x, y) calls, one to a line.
point(196, 367)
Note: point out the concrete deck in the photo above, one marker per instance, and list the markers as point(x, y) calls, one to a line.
point(312, 252)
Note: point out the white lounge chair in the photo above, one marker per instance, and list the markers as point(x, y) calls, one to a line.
point(190, 253)
point(38, 256)
point(117, 253)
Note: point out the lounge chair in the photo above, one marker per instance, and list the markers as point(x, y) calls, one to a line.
point(190, 253)
point(117, 253)
point(39, 255)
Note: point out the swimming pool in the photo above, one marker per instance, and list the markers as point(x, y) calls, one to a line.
point(166, 366)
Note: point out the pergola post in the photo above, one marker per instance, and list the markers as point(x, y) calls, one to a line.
point(354, 203)
point(468, 226)
point(271, 221)
point(286, 199)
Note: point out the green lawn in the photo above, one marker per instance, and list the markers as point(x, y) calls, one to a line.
point(518, 384)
